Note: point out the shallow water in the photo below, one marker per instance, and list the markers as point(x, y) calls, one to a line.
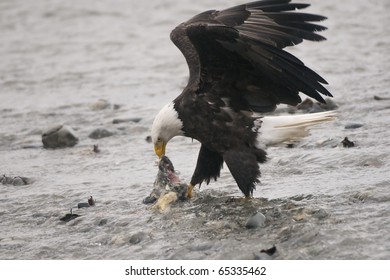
point(321, 201)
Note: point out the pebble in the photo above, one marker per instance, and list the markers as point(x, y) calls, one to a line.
point(381, 98)
point(255, 221)
point(134, 120)
point(59, 136)
point(269, 251)
point(347, 143)
point(353, 125)
point(18, 181)
point(137, 237)
point(100, 133)
point(101, 104)
point(83, 205)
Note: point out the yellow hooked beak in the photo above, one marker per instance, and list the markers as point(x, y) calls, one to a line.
point(159, 148)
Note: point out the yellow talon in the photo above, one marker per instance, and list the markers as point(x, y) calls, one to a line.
point(189, 191)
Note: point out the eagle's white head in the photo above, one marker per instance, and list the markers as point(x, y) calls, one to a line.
point(166, 125)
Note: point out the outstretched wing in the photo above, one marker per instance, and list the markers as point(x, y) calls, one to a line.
point(238, 54)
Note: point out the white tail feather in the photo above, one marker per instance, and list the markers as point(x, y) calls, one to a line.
point(277, 129)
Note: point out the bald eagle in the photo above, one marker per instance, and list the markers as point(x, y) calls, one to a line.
point(238, 70)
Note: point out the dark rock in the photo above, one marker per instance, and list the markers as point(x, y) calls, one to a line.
point(16, 181)
point(321, 214)
point(83, 205)
point(59, 137)
point(347, 144)
point(70, 216)
point(137, 238)
point(269, 251)
point(134, 120)
point(353, 125)
point(290, 145)
point(96, 149)
point(31, 146)
point(255, 221)
point(149, 199)
point(100, 133)
point(381, 98)
point(6, 180)
point(148, 139)
point(91, 202)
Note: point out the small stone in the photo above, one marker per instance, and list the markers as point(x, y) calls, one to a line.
point(148, 139)
point(290, 145)
point(255, 221)
point(59, 137)
point(18, 181)
point(96, 149)
point(381, 98)
point(347, 144)
point(101, 104)
point(269, 251)
point(82, 205)
point(353, 125)
point(7, 180)
point(137, 238)
point(134, 120)
point(149, 199)
point(100, 133)
point(321, 214)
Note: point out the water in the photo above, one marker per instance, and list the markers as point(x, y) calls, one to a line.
point(58, 58)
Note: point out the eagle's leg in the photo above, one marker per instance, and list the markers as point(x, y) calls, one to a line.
point(208, 167)
point(189, 191)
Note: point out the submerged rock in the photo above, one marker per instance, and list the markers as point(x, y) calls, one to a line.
point(100, 133)
point(134, 120)
point(59, 136)
point(100, 104)
point(15, 181)
point(255, 221)
point(148, 139)
point(137, 238)
point(353, 125)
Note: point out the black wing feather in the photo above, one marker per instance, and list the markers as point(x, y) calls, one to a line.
point(238, 53)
